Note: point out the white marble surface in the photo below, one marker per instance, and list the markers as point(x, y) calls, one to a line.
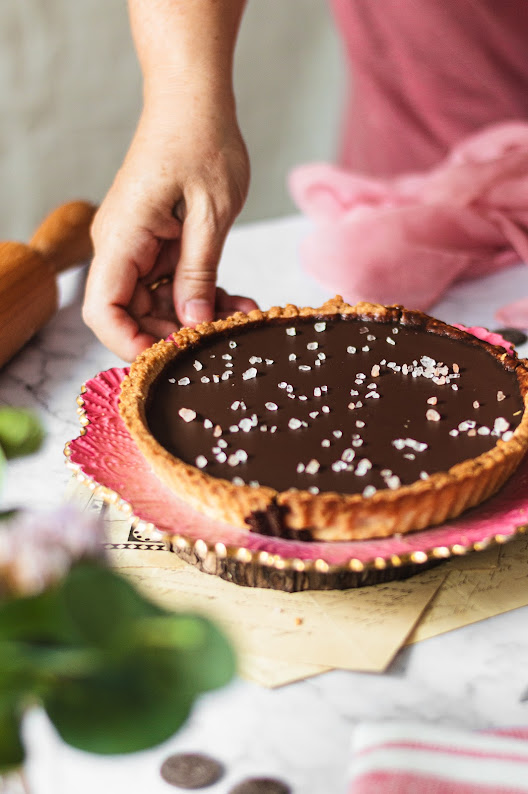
point(475, 677)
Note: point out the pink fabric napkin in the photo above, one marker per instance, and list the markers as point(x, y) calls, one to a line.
point(417, 758)
point(406, 239)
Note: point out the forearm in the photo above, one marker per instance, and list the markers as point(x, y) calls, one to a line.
point(186, 45)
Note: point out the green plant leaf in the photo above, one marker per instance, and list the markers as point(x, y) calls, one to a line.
point(11, 747)
point(21, 432)
point(202, 654)
point(42, 618)
point(124, 709)
point(103, 605)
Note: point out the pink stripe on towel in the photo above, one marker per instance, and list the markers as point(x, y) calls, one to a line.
point(417, 758)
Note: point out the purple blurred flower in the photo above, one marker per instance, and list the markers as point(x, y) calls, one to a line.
point(38, 549)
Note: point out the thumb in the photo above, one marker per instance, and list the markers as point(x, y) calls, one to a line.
point(196, 271)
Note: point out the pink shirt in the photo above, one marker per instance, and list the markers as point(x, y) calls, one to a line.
point(427, 73)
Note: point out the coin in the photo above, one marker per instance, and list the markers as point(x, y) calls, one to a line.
point(261, 785)
point(191, 770)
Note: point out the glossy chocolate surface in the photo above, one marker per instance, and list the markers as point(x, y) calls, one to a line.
point(373, 412)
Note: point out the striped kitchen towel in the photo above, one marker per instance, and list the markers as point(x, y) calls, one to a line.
point(418, 758)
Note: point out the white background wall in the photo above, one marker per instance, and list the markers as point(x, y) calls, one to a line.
point(70, 95)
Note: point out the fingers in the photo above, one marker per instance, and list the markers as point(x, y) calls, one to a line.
point(204, 231)
point(111, 286)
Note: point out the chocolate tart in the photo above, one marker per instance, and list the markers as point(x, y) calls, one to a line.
point(337, 423)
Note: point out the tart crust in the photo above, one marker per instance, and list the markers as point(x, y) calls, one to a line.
point(326, 516)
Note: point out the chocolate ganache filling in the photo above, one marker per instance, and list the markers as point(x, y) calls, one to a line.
point(332, 404)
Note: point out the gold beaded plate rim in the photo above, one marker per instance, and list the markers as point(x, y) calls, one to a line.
point(205, 549)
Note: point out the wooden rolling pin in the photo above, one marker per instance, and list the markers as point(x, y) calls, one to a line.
point(28, 273)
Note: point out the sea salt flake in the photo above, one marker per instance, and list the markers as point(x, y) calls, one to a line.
point(456, 368)
point(245, 425)
point(317, 392)
point(501, 425)
point(348, 455)
point(507, 436)
point(312, 345)
point(232, 344)
point(304, 368)
point(292, 357)
point(222, 443)
point(373, 394)
point(238, 481)
point(217, 432)
point(368, 491)
point(312, 467)
point(483, 431)
point(221, 457)
point(198, 365)
point(360, 423)
point(325, 442)
point(300, 468)
point(432, 401)
point(390, 340)
point(410, 456)
point(365, 348)
point(375, 371)
point(187, 414)
point(338, 465)
point(393, 482)
point(255, 360)
point(500, 396)
point(321, 356)
point(235, 406)
point(424, 475)
point(232, 460)
point(432, 415)
point(227, 356)
point(207, 424)
point(173, 380)
point(476, 404)
point(313, 489)
point(320, 327)
point(269, 361)
point(184, 381)
point(371, 338)
point(351, 350)
point(201, 461)
point(216, 379)
point(302, 397)
point(325, 409)
point(272, 406)
point(313, 414)
point(337, 433)
point(250, 373)
point(398, 443)
point(234, 429)
point(241, 455)
point(363, 467)
point(205, 379)
point(226, 375)
point(453, 432)
point(294, 424)
point(291, 331)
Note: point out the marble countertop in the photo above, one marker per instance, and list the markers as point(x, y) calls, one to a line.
point(475, 677)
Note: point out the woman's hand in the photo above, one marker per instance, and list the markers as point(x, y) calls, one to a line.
point(182, 184)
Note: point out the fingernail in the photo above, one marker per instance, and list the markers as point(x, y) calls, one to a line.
point(198, 310)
